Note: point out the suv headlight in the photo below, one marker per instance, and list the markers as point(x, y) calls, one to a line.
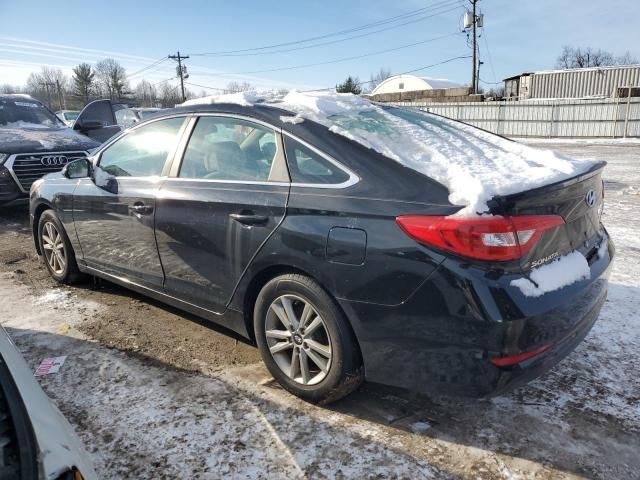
point(3, 157)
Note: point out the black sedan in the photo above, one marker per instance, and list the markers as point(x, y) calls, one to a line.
point(340, 262)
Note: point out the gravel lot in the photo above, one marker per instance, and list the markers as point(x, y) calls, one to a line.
point(158, 394)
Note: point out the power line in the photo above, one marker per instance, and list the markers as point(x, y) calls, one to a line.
point(359, 83)
point(247, 53)
point(403, 73)
point(486, 43)
point(337, 60)
point(157, 62)
point(163, 81)
point(205, 86)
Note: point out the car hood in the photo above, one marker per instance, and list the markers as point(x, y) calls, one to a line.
point(22, 140)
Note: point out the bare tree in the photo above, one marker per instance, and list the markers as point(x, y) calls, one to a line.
point(169, 95)
point(235, 87)
point(627, 59)
point(572, 57)
point(112, 78)
point(146, 94)
point(377, 78)
point(8, 88)
point(49, 85)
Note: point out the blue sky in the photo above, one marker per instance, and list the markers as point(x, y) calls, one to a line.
point(518, 36)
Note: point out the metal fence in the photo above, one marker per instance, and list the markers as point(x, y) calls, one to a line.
point(608, 117)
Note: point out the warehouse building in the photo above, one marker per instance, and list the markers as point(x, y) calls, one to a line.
point(411, 83)
point(596, 82)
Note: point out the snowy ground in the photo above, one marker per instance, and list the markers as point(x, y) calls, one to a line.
point(155, 394)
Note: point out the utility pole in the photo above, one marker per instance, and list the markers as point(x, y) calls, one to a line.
point(182, 71)
point(46, 85)
point(474, 76)
point(472, 20)
point(61, 100)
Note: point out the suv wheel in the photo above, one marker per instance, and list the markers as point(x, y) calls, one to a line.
point(305, 340)
point(56, 249)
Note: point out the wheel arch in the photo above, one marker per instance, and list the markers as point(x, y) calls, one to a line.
point(37, 213)
point(262, 277)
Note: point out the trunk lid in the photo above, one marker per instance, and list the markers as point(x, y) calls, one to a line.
point(578, 200)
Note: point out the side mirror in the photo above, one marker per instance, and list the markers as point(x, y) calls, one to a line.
point(87, 125)
point(80, 168)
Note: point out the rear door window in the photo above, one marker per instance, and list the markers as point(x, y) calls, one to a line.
point(223, 148)
point(307, 166)
point(144, 151)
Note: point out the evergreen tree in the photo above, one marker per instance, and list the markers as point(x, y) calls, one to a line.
point(350, 85)
point(83, 80)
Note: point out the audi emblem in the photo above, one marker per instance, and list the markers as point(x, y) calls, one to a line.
point(590, 198)
point(50, 160)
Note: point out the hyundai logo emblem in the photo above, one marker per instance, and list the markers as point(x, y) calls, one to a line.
point(50, 160)
point(590, 198)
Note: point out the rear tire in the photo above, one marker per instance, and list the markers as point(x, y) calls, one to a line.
point(56, 249)
point(305, 340)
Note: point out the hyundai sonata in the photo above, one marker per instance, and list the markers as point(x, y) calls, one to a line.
point(349, 240)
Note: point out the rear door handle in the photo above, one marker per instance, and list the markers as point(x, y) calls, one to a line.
point(140, 208)
point(249, 218)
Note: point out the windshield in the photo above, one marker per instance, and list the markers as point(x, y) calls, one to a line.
point(70, 115)
point(26, 113)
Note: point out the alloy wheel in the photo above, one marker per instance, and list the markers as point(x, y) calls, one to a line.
point(298, 339)
point(53, 246)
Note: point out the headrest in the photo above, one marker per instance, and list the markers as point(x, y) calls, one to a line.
point(223, 153)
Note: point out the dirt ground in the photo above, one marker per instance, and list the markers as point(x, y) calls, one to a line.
point(156, 393)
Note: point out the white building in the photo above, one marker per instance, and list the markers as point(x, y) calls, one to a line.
point(411, 83)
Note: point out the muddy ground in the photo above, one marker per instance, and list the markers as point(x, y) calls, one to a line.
point(156, 393)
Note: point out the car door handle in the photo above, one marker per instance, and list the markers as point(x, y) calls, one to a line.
point(140, 208)
point(249, 218)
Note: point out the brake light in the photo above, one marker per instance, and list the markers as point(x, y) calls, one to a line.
point(510, 360)
point(484, 238)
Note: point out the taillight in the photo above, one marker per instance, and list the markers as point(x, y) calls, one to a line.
point(511, 360)
point(483, 238)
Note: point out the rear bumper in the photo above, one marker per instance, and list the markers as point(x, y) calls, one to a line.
point(441, 340)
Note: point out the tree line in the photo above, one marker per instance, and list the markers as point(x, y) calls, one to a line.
point(106, 79)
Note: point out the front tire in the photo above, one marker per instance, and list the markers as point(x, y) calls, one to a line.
point(305, 341)
point(56, 249)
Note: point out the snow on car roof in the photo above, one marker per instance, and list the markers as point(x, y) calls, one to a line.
point(245, 99)
point(473, 164)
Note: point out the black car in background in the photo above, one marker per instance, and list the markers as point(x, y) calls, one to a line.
point(339, 262)
point(33, 142)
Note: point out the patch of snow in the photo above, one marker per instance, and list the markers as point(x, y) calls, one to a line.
point(474, 165)
point(603, 248)
point(245, 99)
point(52, 296)
point(564, 271)
point(293, 120)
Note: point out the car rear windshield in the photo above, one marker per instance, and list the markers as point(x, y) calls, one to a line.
point(26, 113)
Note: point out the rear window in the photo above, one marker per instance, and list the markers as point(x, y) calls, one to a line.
point(307, 166)
point(26, 113)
